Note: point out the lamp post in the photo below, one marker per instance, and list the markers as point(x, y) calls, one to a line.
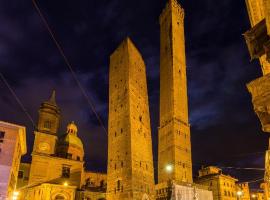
point(15, 195)
point(169, 168)
point(254, 196)
point(239, 194)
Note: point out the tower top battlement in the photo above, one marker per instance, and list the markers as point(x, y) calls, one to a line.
point(172, 6)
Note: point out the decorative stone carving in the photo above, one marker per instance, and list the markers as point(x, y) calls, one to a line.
point(256, 39)
point(260, 91)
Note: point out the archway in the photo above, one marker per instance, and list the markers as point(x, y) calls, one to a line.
point(59, 197)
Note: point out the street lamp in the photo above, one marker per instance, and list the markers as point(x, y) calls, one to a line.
point(239, 194)
point(253, 196)
point(15, 195)
point(169, 168)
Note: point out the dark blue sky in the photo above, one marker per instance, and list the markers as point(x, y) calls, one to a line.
point(225, 130)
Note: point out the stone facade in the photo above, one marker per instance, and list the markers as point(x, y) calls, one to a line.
point(257, 196)
point(174, 150)
point(244, 189)
point(171, 190)
point(57, 168)
point(23, 175)
point(258, 43)
point(130, 161)
point(46, 191)
point(222, 186)
point(260, 91)
point(12, 147)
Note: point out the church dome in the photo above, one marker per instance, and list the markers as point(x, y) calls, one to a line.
point(71, 136)
point(70, 145)
point(73, 140)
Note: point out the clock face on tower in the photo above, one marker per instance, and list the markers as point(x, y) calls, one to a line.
point(44, 146)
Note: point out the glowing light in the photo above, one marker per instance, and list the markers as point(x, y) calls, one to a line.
point(16, 193)
point(253, 195)
point(169, 168)
point(65, 184)
point(239, 193)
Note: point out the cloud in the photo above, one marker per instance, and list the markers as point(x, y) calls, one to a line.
point(89, 31)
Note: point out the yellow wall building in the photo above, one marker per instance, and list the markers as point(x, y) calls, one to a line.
point(12, 147)
point(23, 174)
point(130, 160)
point(223, 186)
point(257, 196)
point(57, 168)
point(242, 189)
point(174, 148)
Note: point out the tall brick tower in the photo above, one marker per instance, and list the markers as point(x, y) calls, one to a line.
point(174, 151)
point(130, 159)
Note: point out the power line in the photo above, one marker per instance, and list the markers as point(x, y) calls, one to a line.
point(243, 168)
point(253, 181)
point(91, 104)
point(17, 99)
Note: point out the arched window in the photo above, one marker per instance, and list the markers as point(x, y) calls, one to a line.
point(48, 124)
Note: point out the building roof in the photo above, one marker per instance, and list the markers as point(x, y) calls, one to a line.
point(73, 140)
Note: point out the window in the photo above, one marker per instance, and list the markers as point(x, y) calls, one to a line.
point(2, 135)
point(118, 185)
point(47, 124)
point(69, 156)
point(20, 174)
point(102, 183)
point(78, 158)
point(65, 171)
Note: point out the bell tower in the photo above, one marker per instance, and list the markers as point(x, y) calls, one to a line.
point(174, 148)
point(48, 124)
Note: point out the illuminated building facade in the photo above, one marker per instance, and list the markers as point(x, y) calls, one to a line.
point(57, 168)
point(12, 147)
point(258, 43)
point(130, 160)
point(223, 186)
point(174, 148)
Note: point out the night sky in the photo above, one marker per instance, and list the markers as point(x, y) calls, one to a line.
point(225, 130)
